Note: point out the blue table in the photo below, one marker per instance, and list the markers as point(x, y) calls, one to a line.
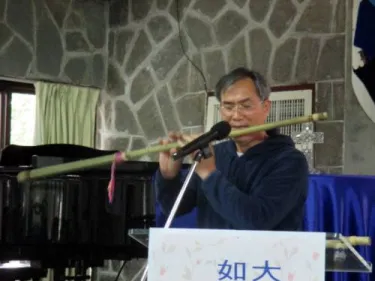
point(344, 204)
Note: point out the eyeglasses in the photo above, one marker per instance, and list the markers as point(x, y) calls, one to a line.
point(240, 107)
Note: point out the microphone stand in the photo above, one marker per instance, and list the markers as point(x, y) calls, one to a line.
point(203, 153)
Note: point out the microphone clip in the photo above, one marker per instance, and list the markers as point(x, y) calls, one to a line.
point(202, 153)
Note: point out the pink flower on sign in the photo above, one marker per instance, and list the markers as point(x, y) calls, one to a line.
point(198, 262)
point(290, 276)
point(163, 270)
point(315, 256)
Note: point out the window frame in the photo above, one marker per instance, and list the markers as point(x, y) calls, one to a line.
point(7, 88)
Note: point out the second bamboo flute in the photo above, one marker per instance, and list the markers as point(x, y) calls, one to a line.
point(131, 155)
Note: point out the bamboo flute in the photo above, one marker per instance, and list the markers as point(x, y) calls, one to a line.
point(59, 169)
point(352, 240)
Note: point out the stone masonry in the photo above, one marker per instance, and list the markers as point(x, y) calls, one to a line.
point(152, 88)
point(60, 41)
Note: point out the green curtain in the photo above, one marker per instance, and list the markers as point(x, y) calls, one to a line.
point(65, 114)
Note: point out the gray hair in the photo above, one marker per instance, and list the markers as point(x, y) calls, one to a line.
point(263, 89)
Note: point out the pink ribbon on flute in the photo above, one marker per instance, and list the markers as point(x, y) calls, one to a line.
point(119, 157)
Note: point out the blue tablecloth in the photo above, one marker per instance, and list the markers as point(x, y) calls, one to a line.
point(344, 204)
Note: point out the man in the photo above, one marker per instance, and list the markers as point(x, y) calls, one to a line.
point(257, 181)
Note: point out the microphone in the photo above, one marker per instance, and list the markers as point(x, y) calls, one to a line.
point(219, 131)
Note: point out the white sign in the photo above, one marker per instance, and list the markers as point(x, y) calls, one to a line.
point(231, 255)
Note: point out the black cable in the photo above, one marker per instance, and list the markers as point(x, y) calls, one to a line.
point(183, 50)
point(119, 272)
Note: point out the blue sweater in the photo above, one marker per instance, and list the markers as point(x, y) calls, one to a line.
point(264, 189)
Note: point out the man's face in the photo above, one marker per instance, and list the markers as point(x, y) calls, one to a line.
point(242, 107)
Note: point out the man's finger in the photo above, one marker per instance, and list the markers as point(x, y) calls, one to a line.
point(187, 138)
point(164, 141)
point(181, 143)
point(172, 136)
point(195, 136)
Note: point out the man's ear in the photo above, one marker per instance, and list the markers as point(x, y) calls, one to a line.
point(267, 106)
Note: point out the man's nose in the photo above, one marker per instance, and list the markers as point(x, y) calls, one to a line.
point(236, 114)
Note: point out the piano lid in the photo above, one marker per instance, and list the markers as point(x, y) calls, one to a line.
point(15, 157)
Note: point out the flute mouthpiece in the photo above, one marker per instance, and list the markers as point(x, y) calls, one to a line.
point(319, 116)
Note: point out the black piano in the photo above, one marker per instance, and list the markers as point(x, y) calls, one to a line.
point(67, 221)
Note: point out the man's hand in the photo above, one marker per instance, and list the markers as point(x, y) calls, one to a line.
point(169, 168)
point(206, 166)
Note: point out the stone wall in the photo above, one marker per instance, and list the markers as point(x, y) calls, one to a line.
point(59, 41)
point(152, 87)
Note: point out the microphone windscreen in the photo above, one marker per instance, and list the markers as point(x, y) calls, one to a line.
point(222, 130)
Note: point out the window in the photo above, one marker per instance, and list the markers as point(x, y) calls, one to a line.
point(289, 103)
point(17, 113)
